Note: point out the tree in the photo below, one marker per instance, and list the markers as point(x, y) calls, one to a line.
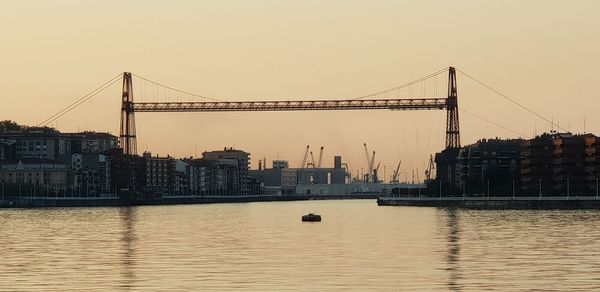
point(8, 126)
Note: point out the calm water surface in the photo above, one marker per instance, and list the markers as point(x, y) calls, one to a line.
point(264, 246)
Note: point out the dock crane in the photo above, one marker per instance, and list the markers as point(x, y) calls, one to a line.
point(370, 162)
point(305, 157)
point(312, 161)
point(320, 157)
point(430, 168)
point(396, 175)
point(375, 171)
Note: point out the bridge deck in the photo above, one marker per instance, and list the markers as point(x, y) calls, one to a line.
point(347, 104)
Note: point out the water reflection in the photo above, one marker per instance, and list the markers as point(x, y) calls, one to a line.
point(128, 219)
point(453, 256)
point(265, 247)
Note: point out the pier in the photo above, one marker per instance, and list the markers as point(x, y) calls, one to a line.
point(537, 202)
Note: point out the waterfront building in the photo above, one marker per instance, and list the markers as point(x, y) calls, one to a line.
point(592, 162)
point(549, 164)
point(182, 177)
point(490, 165)
point(126, 173)
point(560, 164)
point(537, 163)
point(28, 176)
point(231, 171)
point(55, 145)
point(7, 149)
point(158, 174)
point(448, 171)
point(568, 171)
point(200, 175)
point(89, 173)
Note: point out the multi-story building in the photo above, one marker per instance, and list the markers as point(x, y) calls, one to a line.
point(592, 162)
point(127, 173)
point(490, 164)
point(159, 174)
point(35, 177)
point(569, 164)
point(7, 149)
point(77, 154)
point(238, 181)
point(182, 177)
point(55, 145)
point(89, 174)
point(448, 171)
point(41, 145)
point(560, 163)
point(537, 163)
point(92, 142)
point(200, 173)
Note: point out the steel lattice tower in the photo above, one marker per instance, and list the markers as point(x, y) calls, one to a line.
point(127, 137)
point(452, 125)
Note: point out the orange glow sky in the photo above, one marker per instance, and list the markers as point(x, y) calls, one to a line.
point(545, 54)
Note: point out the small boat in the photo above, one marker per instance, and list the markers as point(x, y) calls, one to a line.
point(311, 218)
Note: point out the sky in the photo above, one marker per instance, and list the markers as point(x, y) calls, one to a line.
point(544, 54)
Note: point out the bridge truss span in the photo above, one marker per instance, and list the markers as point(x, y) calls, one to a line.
point(298, 105)
point(129, 107)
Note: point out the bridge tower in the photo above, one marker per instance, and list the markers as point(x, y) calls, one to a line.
point(452, 126)
point(127, 137)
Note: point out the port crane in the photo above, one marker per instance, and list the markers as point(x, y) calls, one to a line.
point(312, 161)
point(303, 165)
point(320, 157)
point(396, 175)
point(370, 164)
point(375, 173)
point(430, 168)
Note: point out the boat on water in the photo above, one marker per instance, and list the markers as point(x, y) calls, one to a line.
point(311, 218)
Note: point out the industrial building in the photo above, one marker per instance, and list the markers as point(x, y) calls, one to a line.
point(289, 181)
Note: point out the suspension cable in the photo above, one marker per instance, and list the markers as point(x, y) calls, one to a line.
point(511, 100)
point(175, 89)
point(492, 122)
point(80, 101)
point(405, 84)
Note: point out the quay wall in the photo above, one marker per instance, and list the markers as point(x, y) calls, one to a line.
point(50, 202)
point(562, 202)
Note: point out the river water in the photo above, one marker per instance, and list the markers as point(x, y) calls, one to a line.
point(265, 247)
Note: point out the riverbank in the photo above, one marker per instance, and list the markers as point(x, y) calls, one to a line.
point(558, 202)
point(49, 202)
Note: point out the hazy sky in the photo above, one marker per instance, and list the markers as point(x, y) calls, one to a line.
point(546, 54)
